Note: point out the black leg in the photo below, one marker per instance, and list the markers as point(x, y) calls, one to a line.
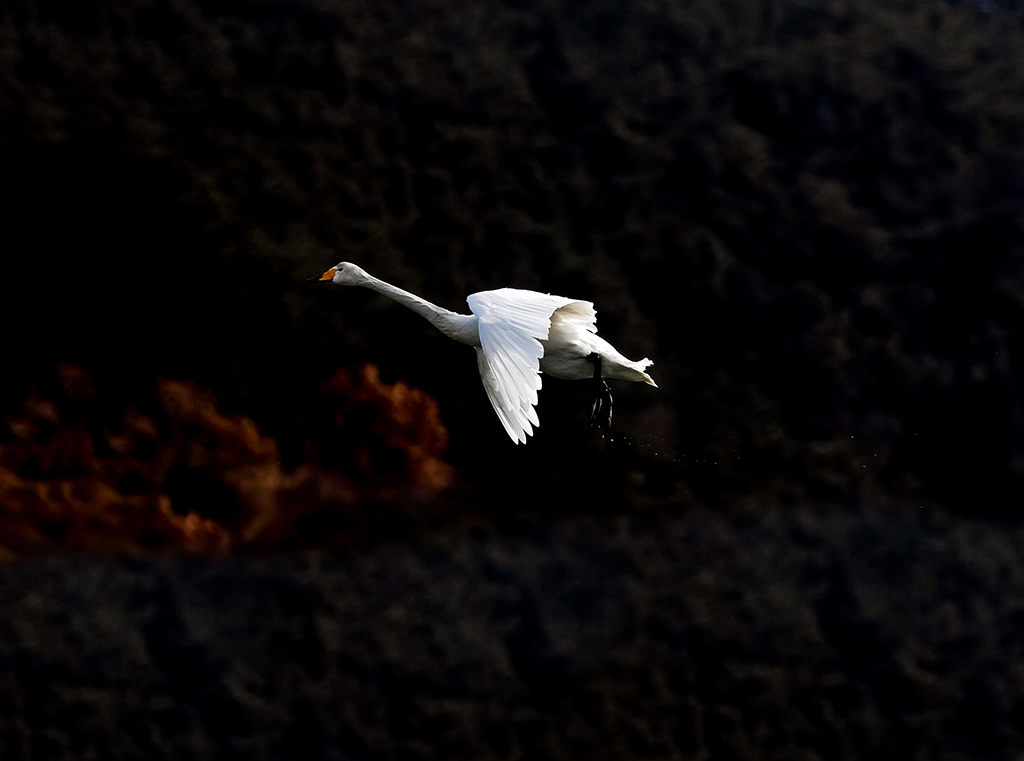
point(601, 410)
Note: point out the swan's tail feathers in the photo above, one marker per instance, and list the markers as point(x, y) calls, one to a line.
point(641, 371)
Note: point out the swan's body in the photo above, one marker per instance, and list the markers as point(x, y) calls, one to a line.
point(517, 335)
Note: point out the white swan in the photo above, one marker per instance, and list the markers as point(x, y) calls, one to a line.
point(518, 334)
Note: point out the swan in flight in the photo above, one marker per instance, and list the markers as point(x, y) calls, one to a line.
point(517, 335)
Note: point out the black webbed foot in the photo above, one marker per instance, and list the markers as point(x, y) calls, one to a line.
point(601, 410)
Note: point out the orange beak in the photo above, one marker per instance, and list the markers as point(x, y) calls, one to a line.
point(329, 275)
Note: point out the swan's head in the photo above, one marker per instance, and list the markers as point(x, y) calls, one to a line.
point(345, 273)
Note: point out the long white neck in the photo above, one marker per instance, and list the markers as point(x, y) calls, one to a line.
point(461, 327)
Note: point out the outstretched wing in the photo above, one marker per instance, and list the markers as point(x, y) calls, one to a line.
point(511, 323)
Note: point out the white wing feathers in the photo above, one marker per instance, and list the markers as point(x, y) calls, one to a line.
point(511, 324)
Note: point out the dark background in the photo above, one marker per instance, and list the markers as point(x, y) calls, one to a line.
point(810, 216)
